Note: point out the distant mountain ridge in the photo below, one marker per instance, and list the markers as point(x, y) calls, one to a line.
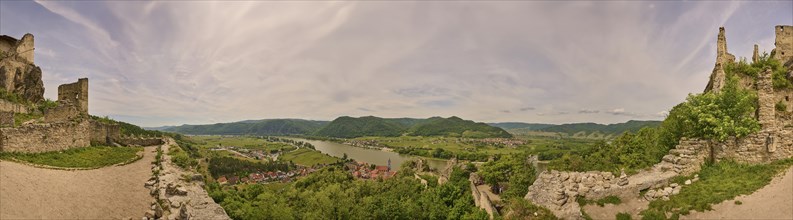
point(251, 127)
point(579, 129)
point(349, 127)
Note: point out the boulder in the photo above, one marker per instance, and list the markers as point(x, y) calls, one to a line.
point(149, 214)
point(180, 191)
point(667, 191)
point(158, 211)
point(688, 182)
point(183, 215)
point(676, 191)
point(197, 177)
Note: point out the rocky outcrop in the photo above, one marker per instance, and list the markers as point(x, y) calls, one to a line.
point(18, 74)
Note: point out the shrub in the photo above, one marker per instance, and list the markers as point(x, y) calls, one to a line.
point(781, 106)
point(623, 216)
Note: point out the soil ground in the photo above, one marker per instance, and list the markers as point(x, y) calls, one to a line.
point(113, 192)
point(774, 201)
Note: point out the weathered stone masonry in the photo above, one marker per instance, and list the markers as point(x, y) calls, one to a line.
point(45, 137)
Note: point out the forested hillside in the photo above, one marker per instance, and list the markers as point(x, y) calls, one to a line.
point(252, 127)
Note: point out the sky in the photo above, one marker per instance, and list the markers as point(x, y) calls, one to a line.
point(180, 62)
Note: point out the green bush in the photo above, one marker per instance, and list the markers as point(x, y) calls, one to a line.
point(720, 115)
point(623, 216)
point(12, 97)
point(511, 169)
point(781, 106)
point(778, 75)
point(523, 209)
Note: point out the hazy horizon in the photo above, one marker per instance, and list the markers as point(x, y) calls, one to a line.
point(172, 63)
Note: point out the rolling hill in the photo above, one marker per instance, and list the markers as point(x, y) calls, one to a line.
point(578, 129)
point(349, 127)
point(456, 127)
point(252, 127)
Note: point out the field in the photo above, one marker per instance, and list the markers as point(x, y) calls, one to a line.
point(86, 157)
point(242, 142)
point(547, 147)
point(308, 157)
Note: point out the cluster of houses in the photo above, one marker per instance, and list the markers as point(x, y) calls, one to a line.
point(249, 153)
point(264, 177)
point(362, 170)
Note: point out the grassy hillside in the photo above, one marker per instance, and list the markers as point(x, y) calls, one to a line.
point(578, 130)
point(588, 128)
point(456, 127)
point(252, 127)
point(349, 127)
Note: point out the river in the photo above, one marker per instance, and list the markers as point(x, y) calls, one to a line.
point(371, 156)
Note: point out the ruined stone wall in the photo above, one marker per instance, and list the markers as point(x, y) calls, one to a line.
point(481, 199)
point(140, 141)
point(25, 48)
point(22, 49)
point(766, 101)
point(718, 77)
point(722, 54)
point(63, 112)
point(762, 147)
point(104, 134)
point(784, 43)
point(6, 119)
point(7, 106)
point(76, 93)
point(35, 138)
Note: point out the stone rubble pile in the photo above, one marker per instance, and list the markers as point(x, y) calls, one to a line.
point(665, 192)
point(178, 198)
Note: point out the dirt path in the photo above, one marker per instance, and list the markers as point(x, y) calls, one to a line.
point(106, 193)
point(609, 211)
point(774, 201)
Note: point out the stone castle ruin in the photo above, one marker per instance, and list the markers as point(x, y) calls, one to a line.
point(557, 190)
point(46, 128)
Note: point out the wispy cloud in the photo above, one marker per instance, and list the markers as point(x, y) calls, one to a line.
point(161, 62)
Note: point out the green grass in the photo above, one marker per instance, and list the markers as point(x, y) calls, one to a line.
point(242, 142)
point(86, 157)
point(718, 182)
point(20, 118)
point(623, 216)
point(600, 202)
point(181, 158)
point(308, 157)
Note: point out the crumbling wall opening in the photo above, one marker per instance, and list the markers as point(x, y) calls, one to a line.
point(75, 94)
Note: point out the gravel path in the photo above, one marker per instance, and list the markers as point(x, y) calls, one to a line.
point(774, 201)
point(106, 193)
